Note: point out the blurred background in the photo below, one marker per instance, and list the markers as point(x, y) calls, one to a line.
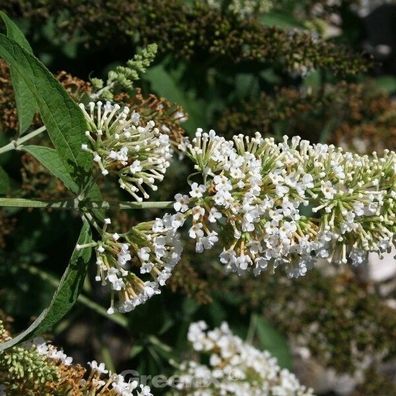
point(324, 70)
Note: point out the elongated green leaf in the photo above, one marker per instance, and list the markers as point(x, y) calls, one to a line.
point(274, 342)
point(65, 296)
point(49, 158)
point(82, 299)
point(14, 33)
point(280, 20)
point(386, 83)
point(62, 117)
point(25, 103)
point(4, 181)
point(169, 86)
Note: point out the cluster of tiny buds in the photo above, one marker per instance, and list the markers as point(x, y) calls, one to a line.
point(137, 154)
point(234, 367)
point(290, 203)
point(138, 263)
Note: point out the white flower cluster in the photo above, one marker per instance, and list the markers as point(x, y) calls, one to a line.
point(244, 8)
point(100, 379)
point(151, 249)
point(104, 379)
point(130, 388)
point(288, 203)
point(234, 368)
point(138, 154)
point(364, 7)
point(50, 351)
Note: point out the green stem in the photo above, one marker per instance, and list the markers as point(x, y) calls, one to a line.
point(96, 96)
point(106, 358)
point(15, 144)
point(76, 204)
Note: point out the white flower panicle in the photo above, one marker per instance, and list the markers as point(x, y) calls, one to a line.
point(244, 8)
point(100, 379)
point(137, 154)
point(130, 388)
point(136, 264)
point(50, 351)
point(234, 368)
point(289, 203)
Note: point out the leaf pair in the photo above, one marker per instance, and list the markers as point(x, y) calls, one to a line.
point(36, 90)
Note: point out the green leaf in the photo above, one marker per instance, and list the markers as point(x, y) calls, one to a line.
point(328, 128)
point(135, 351)
point(386, 83)
point(82, 299)
point(4, 181)
point(274, 342)
point(14, 33)
point(25, 103)
point(280, 20)
point(65, 296)
point(246, 85)
point(169, 86)
point(62, 117)
point(49, 158)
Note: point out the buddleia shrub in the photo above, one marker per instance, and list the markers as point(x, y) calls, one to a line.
point(108, 163)
point(190, 31)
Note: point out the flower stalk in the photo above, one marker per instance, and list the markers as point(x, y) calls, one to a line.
point(76, 204)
